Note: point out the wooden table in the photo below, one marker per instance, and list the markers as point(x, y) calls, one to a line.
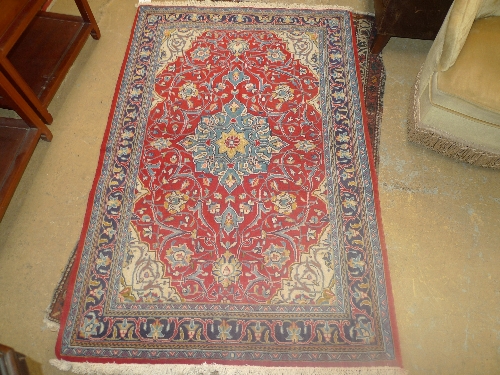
point(419, 19)
point(37, 49)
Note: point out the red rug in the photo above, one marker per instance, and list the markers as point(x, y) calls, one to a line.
point(373, 81)
point(234, 217)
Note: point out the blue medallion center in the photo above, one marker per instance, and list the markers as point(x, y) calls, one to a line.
point(232, 144)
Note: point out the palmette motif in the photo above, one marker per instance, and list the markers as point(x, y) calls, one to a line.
point(237, 218)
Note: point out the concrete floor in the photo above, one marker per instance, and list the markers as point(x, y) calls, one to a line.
point(441, 218)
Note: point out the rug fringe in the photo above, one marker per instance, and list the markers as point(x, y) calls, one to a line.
point(443, 143)
point(210, 369)
point(52, 326)
point(247, 4)
point(50, 322)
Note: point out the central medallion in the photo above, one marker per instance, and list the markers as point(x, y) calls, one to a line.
point(232, 144)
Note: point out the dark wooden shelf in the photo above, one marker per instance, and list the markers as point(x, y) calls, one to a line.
point(45, 52)
point(37, 49)
point(14, 19)
point(17, 143)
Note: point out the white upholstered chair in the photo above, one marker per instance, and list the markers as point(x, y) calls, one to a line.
point(456, 105)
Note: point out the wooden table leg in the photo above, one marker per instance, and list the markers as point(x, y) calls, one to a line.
point(22, 87)
point(22, 107)
point(379, 43)
point(88, 16)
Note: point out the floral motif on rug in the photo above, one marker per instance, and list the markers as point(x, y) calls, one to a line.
point(234, 216)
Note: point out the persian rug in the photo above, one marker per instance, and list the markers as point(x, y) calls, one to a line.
point(372, 81)
point(234, 217)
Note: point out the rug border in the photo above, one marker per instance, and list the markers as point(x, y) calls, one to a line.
point(378, 211)
point(90, 199)
point(397, 362)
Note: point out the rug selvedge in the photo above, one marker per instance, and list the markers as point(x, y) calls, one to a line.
point(237, 217)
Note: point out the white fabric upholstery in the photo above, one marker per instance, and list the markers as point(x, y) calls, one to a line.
point(456, 108)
